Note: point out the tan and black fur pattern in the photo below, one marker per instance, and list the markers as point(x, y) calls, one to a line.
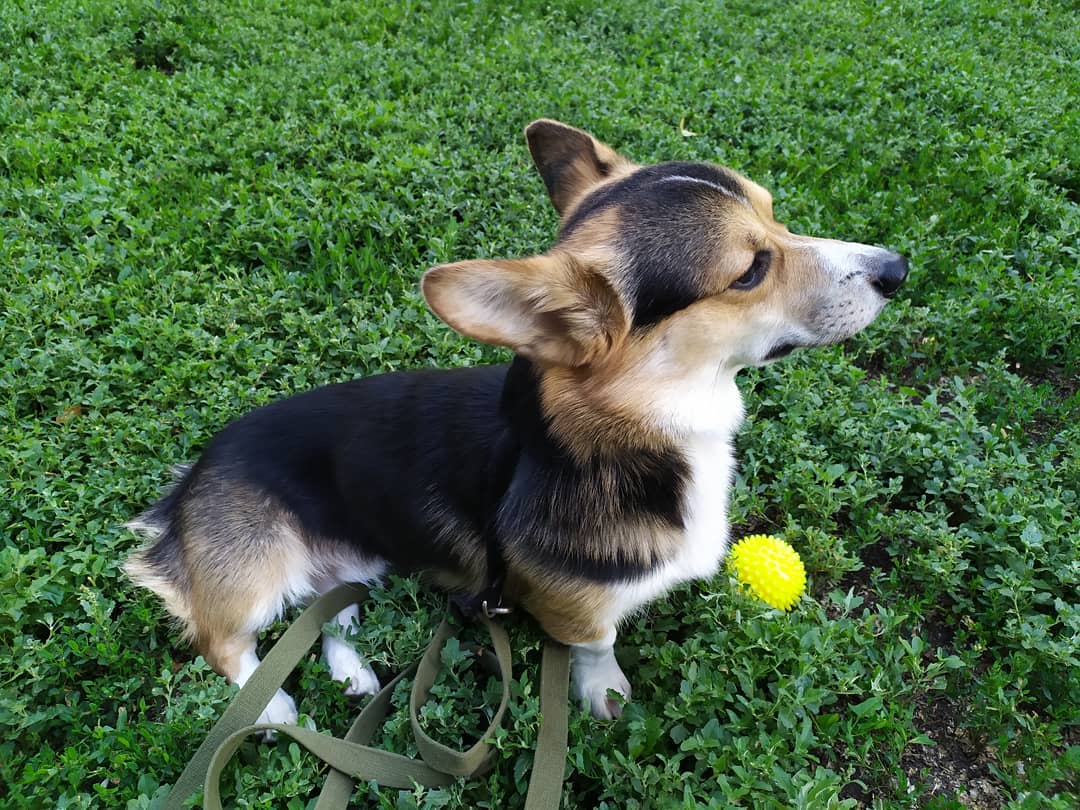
point(596, 465)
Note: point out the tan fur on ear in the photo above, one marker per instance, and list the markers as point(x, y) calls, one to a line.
point(550, 308)
point(571, 161)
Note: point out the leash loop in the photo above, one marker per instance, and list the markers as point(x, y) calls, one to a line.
point(351, 758)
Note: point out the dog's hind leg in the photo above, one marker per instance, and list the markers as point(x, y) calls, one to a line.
point(346, 664)
point(246, 565)
point(339, 566)
point(205, 569)
point(236, 659)
point(227, 638)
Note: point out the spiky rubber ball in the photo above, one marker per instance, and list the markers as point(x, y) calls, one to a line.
point(770, 568)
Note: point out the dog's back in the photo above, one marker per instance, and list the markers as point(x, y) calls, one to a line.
point(389, 470)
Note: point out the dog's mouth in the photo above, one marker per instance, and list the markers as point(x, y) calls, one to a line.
point(780, 350)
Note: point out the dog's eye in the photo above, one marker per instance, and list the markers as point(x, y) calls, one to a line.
point(756, 274)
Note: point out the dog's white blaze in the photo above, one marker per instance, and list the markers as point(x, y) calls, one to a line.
point(682, 178)
point(842, 259)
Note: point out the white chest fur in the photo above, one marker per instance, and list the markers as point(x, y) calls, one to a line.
point(704, 539)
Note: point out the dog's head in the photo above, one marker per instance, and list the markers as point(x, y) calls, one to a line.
point(661, 275)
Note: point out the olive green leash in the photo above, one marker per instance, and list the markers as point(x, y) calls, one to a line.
point(351, 758)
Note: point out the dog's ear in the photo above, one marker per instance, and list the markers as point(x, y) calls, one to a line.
point(550, 308)
point(570, 161)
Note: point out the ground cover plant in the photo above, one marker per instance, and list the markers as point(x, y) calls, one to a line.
point(207, 205)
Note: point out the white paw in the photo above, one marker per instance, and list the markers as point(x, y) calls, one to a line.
point(347, 666)
point(593, 677)
point(280, 709)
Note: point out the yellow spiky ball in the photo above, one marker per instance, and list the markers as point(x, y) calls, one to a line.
point(770, 568)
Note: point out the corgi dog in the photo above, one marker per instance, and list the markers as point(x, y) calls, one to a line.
point(583, 479)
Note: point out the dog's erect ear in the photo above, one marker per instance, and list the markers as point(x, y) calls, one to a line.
point(550, 308)
point(570, 161)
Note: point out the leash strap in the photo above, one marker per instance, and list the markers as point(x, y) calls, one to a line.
point(351, 758)
point(261, 686)
point(549, 762)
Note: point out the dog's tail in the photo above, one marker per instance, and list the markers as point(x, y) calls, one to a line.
point(159, 565)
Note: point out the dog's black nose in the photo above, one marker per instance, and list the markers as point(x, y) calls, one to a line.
point(889, 274)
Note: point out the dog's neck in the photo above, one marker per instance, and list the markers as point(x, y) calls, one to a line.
point(707, 405)
point(563, 407)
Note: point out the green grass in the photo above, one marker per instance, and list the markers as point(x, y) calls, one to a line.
point(206, 206)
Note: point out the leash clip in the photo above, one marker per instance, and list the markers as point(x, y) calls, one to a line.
point(496, 610)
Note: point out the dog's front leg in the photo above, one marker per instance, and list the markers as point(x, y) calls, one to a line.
point(595, 671)
point(579, 616)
